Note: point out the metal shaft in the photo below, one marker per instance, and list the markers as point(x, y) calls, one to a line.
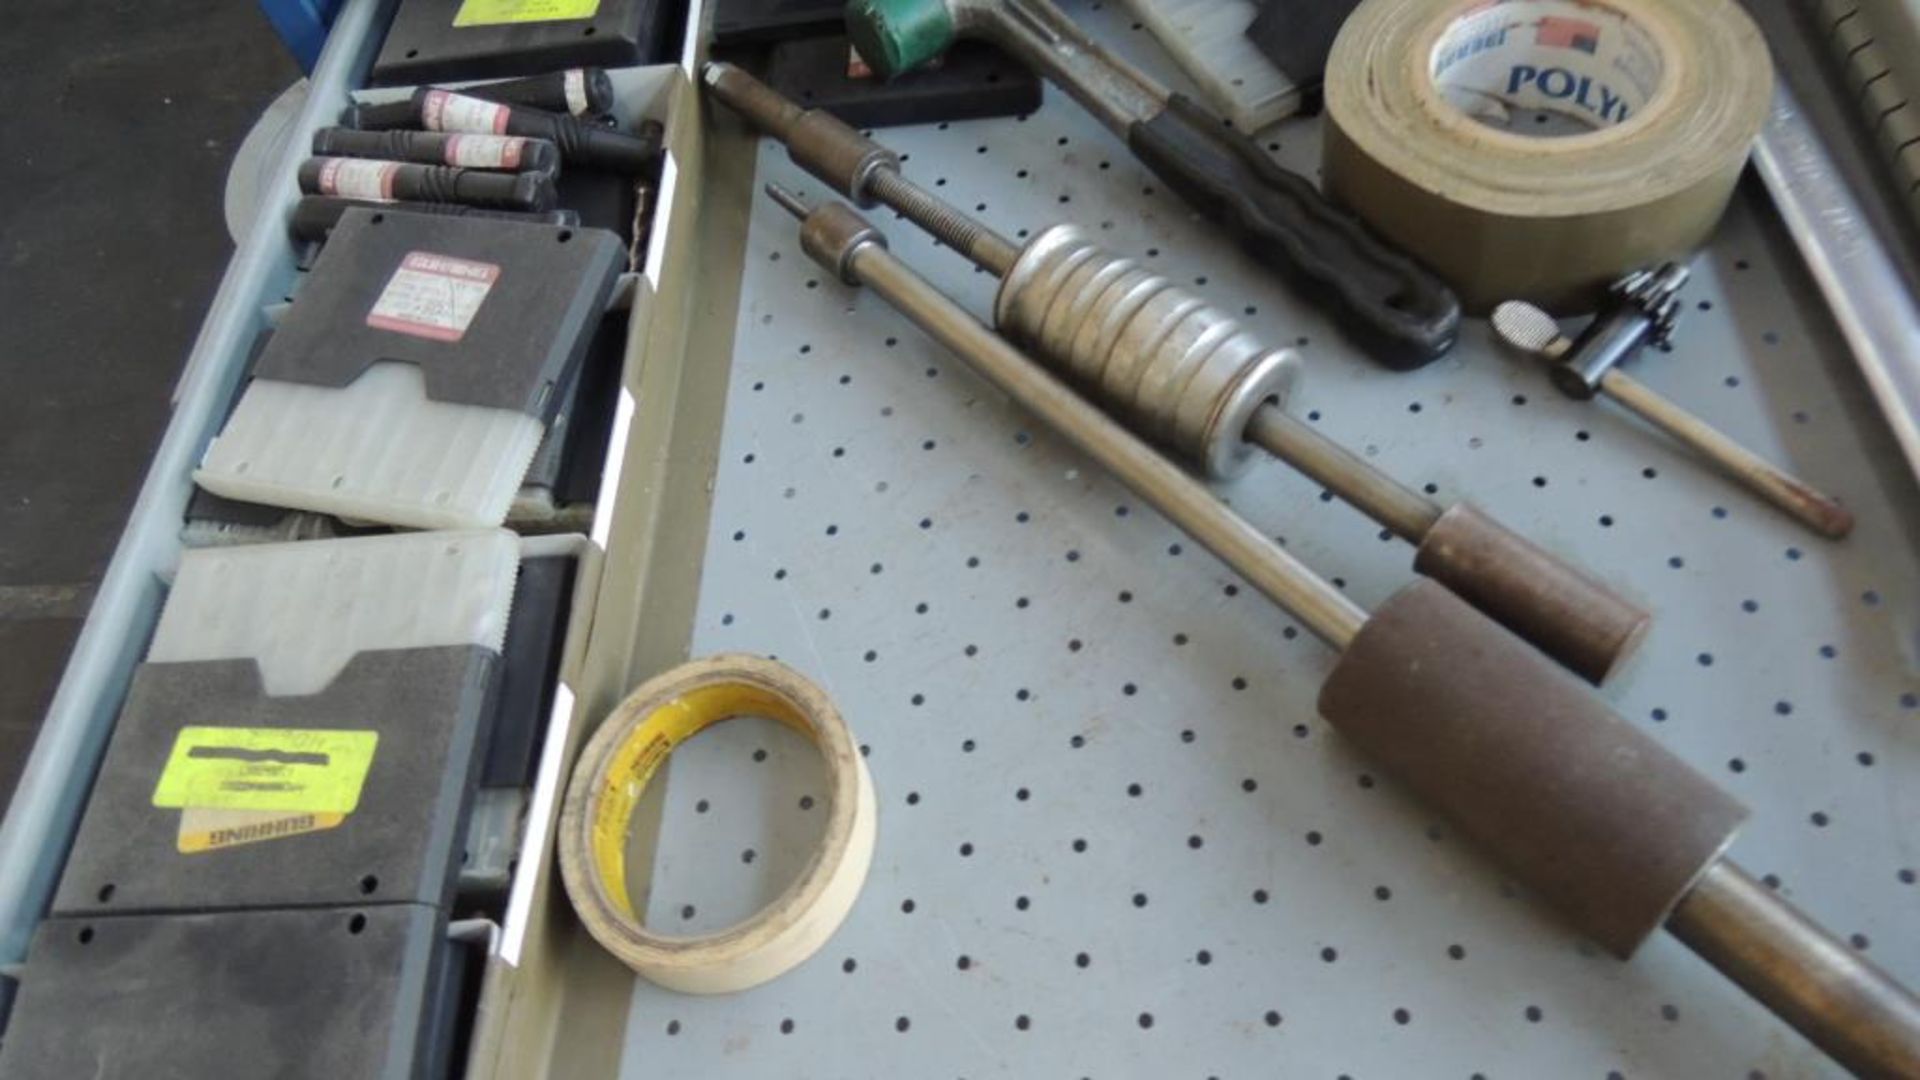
point(1840, 1002)
point(1183, 374)
point(1323, 609)
point(985, 248)
point(1408, 513)
point(858, 167)
point(1857, 267)
point(1401, 509)
point(1818, 511)
point(868, 172)
point(1180, 373)
point(1844, 1005)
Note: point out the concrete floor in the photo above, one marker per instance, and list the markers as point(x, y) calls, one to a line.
point(120, 121)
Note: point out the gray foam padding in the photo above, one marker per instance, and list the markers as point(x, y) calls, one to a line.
point(527, 334)
point(402, 843)
point(315, 994)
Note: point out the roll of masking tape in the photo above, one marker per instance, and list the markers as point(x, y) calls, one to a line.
point(614, 768)
point(1537, 149)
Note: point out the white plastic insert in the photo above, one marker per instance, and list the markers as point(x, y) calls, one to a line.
point(376, 450)
point(303, 610)
point(1208, 38)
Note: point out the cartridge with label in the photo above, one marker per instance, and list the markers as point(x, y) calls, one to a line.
point(414, 376)
point(307, 729)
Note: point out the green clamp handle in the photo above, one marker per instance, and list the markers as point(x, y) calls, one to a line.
point(896, 36)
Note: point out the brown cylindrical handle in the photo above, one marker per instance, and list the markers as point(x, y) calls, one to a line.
point(1566, 613)
point(1583, 808)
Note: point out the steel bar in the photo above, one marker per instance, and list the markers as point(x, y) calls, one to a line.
point(1618, 833)
point(1400, 508)
point(1831, 994)
point(1857, 274)
point(1323, 609)
point(1182, 373)
point(1816, 510)
point(1588, 367)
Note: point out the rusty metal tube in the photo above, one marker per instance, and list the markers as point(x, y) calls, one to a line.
point(1815, 509)
point(1615, 832)
point(1580, 805)
point(1571, 616)
point(836, 237)
point(1405, 511)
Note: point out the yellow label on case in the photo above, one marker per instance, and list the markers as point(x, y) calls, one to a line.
point(500, 12)
point(203, 829)
point(305, 771)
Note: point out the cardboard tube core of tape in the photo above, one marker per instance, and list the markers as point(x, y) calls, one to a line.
point(1538, 149)
point(614, 770)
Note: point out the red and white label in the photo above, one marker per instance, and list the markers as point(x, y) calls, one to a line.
point(433, 296)
point(574, 83)
point(443, 110)
point(353, 178)
point(485, 151)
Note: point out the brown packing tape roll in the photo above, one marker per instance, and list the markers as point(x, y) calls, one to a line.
point(622, 757)
point(1656, 101)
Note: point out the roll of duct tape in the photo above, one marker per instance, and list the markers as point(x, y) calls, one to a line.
point(1537, 149)
point(614, 770)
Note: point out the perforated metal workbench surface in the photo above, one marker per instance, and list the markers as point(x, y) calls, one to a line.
point(1115, 838)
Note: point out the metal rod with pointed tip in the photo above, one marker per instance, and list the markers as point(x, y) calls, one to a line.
point(1580, 805)
point(1187, 376)
point(1395, 309)
point(1814, 509)
point(1590, 366)
point(836, 237)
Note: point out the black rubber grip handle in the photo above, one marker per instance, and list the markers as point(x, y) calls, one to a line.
point(314, 216)
point(1391, 305)
point(501, 153)
point(432, 183)
point(582, 143)
point(590, 146)
point(381, 116)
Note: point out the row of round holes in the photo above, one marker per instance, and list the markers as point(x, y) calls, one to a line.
point(1313, 837)
point(356, 924)
point(1870, 597)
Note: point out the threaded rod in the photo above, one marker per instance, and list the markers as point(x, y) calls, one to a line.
point(988, 249)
